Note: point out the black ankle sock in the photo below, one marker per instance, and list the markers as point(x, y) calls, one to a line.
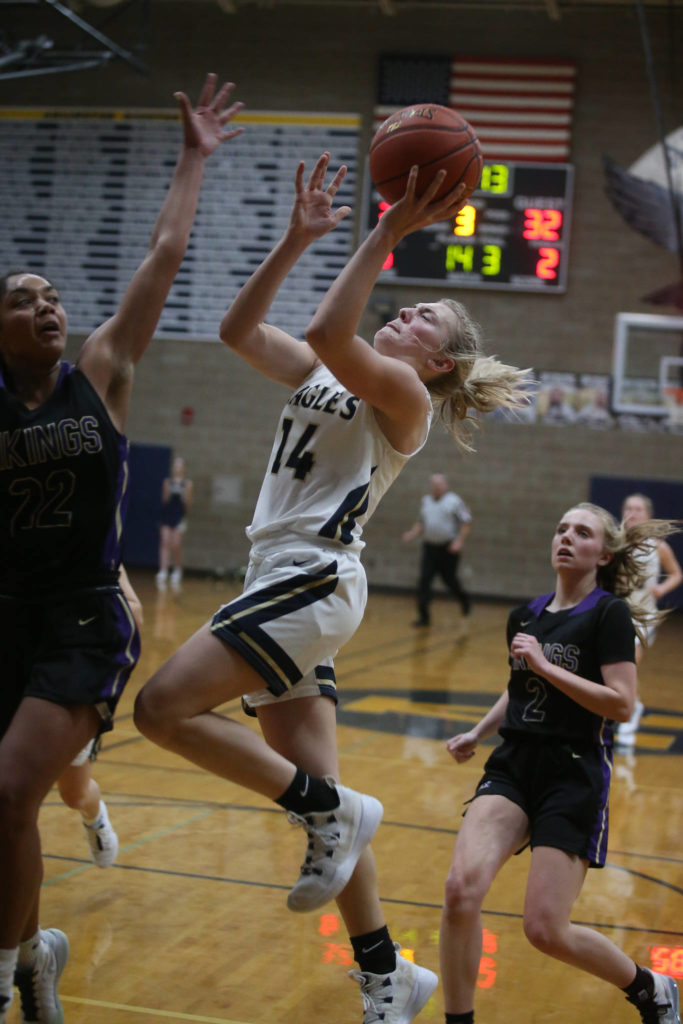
point(307, 793)
point(460, 1018)
point(642, 988)
point(375, 951)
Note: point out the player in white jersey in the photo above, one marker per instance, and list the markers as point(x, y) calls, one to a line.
point(663, 574)
point(356, 414)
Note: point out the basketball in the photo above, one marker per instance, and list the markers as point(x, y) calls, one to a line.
point(431, 136)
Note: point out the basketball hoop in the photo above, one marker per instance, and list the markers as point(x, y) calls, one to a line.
point(673, 400)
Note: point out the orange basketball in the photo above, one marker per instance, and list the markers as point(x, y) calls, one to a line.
point(431, 136)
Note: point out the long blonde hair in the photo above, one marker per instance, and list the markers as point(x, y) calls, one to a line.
point(477, 382)
point(626, 572)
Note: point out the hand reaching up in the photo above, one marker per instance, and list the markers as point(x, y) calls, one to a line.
point(312, 214)
point(413, 212)
point(203, 127)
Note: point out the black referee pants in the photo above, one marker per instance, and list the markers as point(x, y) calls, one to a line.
point(437, 560)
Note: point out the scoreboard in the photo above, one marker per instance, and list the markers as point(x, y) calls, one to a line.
point(513, 234)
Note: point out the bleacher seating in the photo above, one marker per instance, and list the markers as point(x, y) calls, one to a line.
point(81, 192)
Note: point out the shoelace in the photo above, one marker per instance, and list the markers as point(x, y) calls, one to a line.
point(651, 1013)
point(373, 996)
point(322, 839)
point(27, 983)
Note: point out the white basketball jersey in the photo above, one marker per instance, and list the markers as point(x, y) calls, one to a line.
point(648, 557)
point(329, 466)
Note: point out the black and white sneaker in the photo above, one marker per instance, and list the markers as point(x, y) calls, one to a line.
point(395, 998)
point(38, 985)
point(336, 840)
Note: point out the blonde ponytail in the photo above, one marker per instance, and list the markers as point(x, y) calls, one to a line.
point(627, 572)
point(477, 382)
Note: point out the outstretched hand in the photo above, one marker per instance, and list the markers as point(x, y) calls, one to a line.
point(203, 127)
point(312, 213)
point(413, 212)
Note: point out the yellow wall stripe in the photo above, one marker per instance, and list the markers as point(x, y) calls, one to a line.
point(145, 114)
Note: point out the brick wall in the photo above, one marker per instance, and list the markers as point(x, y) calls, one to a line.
point(523, 476)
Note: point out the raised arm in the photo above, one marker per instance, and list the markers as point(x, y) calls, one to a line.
point(388, 384)
point(109, 355)
point(268, 349)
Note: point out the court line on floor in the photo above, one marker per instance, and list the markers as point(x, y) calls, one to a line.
point(419, 904)
point(167, 1014)
point(160, 834)
point(152, 800)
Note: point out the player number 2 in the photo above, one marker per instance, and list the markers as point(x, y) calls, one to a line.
point(533, 712)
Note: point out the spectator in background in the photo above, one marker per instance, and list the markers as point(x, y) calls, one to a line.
point(559, 410)
point(444, 524)
point(596, 413)
point(177, 493)
point(663, 574)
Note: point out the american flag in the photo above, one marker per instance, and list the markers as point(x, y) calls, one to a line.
point(521, 109)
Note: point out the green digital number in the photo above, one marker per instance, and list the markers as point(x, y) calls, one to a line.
point(495, 178)
point(490, 260)
point(460, 257)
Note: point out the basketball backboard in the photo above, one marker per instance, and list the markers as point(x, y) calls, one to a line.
point(647, 363)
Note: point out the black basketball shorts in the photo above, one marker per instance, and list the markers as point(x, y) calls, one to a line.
point(78, 648)
point(562, 787)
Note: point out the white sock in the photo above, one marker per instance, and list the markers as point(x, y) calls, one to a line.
point(8, 962)
point(99, 817)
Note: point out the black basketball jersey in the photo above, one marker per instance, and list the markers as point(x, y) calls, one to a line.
point(598, 631)
point(63, 490)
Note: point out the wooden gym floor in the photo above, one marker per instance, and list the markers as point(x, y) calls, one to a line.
point(190, 924)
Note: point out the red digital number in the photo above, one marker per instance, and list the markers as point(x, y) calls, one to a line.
point(667, 960)
point(337, 953)
point(542, 225)
point(549, 260)
point(487, 972)
point(382, 209)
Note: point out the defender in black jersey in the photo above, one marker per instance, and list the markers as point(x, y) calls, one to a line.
point(572, 674)
point(69, 640)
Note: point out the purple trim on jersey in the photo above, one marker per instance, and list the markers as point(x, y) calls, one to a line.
point(111, 552)
point(539, 604)
point(596, 849)
point(128, 653)
point(65, 368)
point(590, 601)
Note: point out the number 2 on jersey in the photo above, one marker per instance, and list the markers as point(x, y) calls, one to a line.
point(532, 711)
point(42, 504)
